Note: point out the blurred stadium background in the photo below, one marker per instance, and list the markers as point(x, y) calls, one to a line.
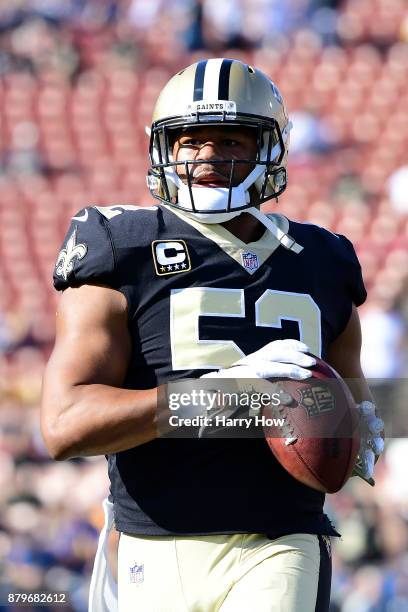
point(78, 82)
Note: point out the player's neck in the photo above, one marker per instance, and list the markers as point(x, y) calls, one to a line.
point(245, 227)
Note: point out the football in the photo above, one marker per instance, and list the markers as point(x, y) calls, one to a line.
point(317, 439)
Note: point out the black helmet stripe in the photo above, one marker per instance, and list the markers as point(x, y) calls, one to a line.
point(223, 83)
point(199, 80)
point(205, 87)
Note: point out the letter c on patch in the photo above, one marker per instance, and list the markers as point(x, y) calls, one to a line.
point(170, 253)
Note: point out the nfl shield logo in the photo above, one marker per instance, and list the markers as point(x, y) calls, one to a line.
point(136, 573)
point(250, 261)
point(317, 400)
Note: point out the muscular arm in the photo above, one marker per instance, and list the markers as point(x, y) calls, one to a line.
point(344, 356)
point(84, 411)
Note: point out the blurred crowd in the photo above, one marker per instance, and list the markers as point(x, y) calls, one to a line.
point(67, 36)
point(78, 79)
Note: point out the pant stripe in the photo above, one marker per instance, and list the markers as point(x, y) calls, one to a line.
point(325, 574)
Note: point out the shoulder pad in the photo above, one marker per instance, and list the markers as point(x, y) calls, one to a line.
point(338, 253)
point(353, 268)
point(87, 254)
point(110, 212)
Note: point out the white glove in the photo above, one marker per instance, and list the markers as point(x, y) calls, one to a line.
point(278, 359)
point(372, 444)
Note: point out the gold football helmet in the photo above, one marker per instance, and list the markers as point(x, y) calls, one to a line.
point(219, 92)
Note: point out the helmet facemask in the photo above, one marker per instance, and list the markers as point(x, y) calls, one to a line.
point(266, 179)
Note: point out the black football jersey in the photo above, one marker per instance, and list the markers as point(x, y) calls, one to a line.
point(198, 300)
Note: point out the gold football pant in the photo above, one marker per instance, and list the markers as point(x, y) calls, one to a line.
point(225, 573)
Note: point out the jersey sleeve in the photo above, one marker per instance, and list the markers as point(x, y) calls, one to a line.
point(87, 253)
point(353, 273)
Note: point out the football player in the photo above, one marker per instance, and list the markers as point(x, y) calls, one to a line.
point(203, 283)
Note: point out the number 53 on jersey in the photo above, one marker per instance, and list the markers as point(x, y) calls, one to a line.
point(187, 305)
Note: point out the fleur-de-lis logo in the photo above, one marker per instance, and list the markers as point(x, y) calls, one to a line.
point(276, 92)
point(67, 256)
